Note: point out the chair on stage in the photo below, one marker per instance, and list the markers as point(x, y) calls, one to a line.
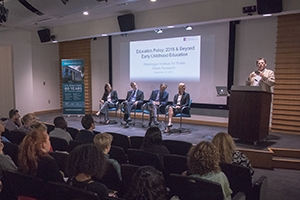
point(113, 109)
point(135, 109)
point(146, 111)
point(184, 112)
point(177, 147)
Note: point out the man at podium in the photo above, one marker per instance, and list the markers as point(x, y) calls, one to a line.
point(262, 77)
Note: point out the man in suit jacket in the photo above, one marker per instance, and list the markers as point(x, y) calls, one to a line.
point(181, 99)
point(134, 98)
point(158, 100)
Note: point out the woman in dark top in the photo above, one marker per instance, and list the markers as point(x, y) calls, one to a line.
point(147, 184)
point(34, 158)
point(108, 100)
point(153, 143)
point(84, 162)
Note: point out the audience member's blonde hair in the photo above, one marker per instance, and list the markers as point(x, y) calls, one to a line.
point(203, 159)
point(225, 145)
point(103, 140)
point(26, 118)
point(39, 126)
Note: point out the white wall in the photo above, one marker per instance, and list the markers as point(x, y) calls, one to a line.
point(254, 39)
point(99, 62)
point(22, 68)
point(45, 70)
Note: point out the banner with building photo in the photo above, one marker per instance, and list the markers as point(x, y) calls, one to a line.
point(73, 86)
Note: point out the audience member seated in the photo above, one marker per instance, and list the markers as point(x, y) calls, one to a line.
point(228, 153)
point(134, 98)
point(108, 100)
point(158, 100)
point(13, 123)
point(34, 158)
point(60, 129)
point(84, 162)
point(147, 184)
point(181, 99)
point(103, 142)
point(203, 162)
point(87, 135)
point(28, 121)
point(6, 163)
point(153, 143)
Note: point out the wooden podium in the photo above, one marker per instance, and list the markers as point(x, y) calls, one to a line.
point(249, 113)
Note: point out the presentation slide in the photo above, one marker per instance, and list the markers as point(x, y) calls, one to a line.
point(198, 58)
point(168, 59)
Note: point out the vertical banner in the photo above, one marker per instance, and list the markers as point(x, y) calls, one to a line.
point(73, 86)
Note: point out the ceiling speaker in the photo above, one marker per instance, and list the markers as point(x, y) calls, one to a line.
point(269, 6)
point(126, 22)
point(44, 35)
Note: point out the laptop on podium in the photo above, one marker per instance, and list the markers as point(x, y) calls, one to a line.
point(222, 91)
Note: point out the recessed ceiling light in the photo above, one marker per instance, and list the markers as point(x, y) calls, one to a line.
point(158, 30)
point(152, 0)
point(86, 13)
point(170, 26)
point(188, 28)
point(103, 34)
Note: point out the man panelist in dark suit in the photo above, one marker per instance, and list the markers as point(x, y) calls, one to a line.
point(181, 99)
point(158, 100)
point(134, 98)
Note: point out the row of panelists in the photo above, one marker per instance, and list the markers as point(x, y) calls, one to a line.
point(158, 100)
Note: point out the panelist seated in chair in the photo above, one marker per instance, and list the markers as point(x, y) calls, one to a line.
point(134, 98)
point(108, 100)
point(157, 102)
point(180, 100)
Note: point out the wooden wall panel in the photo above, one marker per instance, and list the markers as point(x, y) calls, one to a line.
point(79, 49)
point(286, 102)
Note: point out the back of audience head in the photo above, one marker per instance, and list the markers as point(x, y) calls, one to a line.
point(12, 113)
point(225, 145)
point(203, 158)
point(33, 147)
point(86, 159)
point(28, 119)
point(103, 142)
point(152, 136)
point(60, 122)
point(147, 184)
point(87, 121)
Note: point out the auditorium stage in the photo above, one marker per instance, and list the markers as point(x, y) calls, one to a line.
point(200, 128)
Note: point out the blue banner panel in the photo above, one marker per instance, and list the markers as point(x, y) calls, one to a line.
point(73, 87)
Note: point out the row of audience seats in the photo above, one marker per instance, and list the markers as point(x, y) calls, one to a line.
point(18, 185)
point(126, 151)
